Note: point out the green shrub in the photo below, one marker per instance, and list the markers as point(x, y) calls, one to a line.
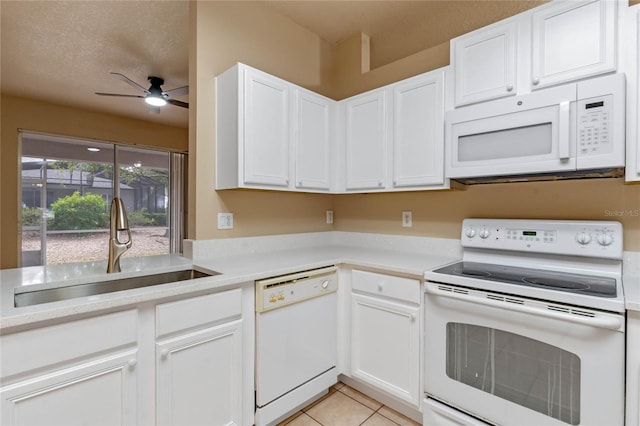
point(139, 218)
point(79, 212)
point(143, 217)
point(31, 216)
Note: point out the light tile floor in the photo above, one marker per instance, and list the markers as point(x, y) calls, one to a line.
point(345, 406)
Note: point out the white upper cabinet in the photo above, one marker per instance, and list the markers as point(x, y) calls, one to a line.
point(252, 130)
point(630, 65)
point(271, 134)
point(485, 63)
point(572, 40)
point(365, 140)
point(418, 131)
point(393, 137)
point(558, 42)
point(266, 129)
point(312, 139)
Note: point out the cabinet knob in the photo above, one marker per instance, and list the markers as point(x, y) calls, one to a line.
point(536, 81)
point(380, 287)
point(509, 87)
point(132, 362)
point(413, 317)
point(299, 183)
point(164, 353)
point(379, 183)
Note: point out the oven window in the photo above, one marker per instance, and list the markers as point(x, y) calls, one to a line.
point(527, 372)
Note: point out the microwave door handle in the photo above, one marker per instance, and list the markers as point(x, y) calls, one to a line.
point(564, 135)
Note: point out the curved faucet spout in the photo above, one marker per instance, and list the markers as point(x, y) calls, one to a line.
point(118, 224)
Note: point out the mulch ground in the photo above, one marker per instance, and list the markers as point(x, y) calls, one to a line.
point(67, 248)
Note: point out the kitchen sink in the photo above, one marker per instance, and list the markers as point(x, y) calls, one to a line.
point(35, 297)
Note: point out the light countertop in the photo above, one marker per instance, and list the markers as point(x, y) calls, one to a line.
point(234, 270)
point(245, 261)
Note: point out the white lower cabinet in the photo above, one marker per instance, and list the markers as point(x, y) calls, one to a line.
point(184, 362)
point(385, 334)
point(199, 373)
point(79, 373)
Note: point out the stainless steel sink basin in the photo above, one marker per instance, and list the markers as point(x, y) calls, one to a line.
point(36, 297)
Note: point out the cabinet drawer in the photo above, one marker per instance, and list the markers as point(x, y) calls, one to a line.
point(41, 347)
point(197, 311)
point(406, 289)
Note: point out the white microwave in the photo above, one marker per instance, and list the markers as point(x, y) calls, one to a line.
point(573, 127)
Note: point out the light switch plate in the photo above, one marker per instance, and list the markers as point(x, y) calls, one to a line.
point(225, 220)
point(329, 216)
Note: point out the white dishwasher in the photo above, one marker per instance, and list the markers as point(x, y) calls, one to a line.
point(296, 341)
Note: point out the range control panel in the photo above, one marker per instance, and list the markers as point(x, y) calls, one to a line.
point(568, 237)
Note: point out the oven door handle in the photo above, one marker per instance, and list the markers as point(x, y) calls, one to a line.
point(607, 322)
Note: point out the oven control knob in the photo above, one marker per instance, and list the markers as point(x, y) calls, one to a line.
point(583, 238)
point(470, 232)
point(484, 233)
point(605, 239)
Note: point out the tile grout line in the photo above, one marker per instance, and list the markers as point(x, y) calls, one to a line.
point(374, 411)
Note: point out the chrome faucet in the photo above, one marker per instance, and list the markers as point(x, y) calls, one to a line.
point(118, 223)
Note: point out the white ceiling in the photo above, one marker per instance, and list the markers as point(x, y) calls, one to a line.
point(63, 51)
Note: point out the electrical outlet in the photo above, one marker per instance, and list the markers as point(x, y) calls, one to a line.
point(329, 216)
point(225, 220)
point(407, 221)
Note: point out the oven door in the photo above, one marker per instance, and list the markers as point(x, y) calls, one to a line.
point(510, 360)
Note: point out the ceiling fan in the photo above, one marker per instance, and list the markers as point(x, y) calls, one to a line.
point(154, 95)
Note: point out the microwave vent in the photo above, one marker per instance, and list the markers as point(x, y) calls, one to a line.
point(580, 174)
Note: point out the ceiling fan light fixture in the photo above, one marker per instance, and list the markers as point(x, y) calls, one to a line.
point(155, 101)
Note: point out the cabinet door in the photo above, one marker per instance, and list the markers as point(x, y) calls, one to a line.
point(365, 141)
point(199, 377)
point(385, 339)
point(484, 63)
point(572, 40)
point(418, 131)
point(99, 392)
point(630, 62)
point(312, 140)
point(266, 130)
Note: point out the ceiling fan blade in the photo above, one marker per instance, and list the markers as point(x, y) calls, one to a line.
point(184, 90)
point(128, 81)
point(178, 103)
point(118, 94)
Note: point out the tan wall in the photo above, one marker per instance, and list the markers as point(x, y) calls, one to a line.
point(254, 34)
point(20, 113)
point(440, 213)
point(248, 32)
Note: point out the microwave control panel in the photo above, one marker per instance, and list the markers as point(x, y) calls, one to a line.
point(594, 126)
